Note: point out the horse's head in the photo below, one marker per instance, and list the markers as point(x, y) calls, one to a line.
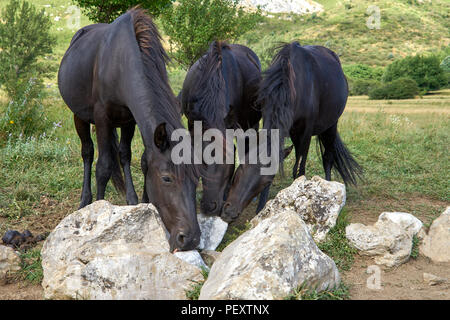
point(216, 181)
point(247, 183)
point(171, 188)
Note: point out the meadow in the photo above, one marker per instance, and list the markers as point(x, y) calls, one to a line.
point(403, 146)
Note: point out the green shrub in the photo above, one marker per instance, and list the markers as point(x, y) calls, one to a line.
point(193, 24)
point(403, 88)
point(360, 87)
point(24, 39)
point(107, 11)
point(445, 64)
point(24, 114)
point(363, 71)
point(424, 70)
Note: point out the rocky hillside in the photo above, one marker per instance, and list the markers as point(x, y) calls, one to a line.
point(374, 33)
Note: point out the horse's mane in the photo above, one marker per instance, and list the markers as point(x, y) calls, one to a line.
point(210, 97)
point(277, 94)
point(154, 57)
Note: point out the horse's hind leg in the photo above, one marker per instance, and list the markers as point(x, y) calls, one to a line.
point(87, 153)
point(127, 133)
point(327, 138)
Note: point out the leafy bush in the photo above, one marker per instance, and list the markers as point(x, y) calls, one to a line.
point(445, 64)
point(24, 38)
point(363, 71)
point(107, 11)
point(193, 24)
point(360, 87)
point(424, 70)
point(403, 88)
point(24, 114)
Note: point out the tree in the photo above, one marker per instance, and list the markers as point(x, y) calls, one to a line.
point(107, 11)
point(24, 39)
point(425, 70)
point(192, 24)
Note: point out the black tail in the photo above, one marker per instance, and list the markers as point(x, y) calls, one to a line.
point(343, 162)
point(117, 177)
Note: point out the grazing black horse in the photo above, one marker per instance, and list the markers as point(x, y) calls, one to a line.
point(302, 94)
point(114, 75)
point(220, 90)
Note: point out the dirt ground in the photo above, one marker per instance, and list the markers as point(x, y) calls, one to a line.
point(403, 282)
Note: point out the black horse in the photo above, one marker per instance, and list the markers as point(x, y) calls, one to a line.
point(114, 75)
point(302, 94)
point(220, 90)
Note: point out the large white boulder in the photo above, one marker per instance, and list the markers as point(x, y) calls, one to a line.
point(389, 240)
point(269, 261)
point(436, 244)
point(113, 252)
point(317, 201)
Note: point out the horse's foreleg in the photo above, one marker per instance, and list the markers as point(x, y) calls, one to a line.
point(127, 133)
point(87, 153)
point(105, 163)
point(144, 168)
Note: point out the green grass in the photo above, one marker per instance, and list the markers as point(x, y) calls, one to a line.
point(304, 293)
point(31, 267)
point(336, 245)
point(415, 247)
point(196, 287)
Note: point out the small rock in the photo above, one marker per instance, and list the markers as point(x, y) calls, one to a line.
point(436, 244)
point(9, 262)
point(433, 280)
point(191, 257)
point(209, 256)
point(212, 229)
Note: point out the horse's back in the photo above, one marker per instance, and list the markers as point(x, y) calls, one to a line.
point(324, 83)
point(75, 75)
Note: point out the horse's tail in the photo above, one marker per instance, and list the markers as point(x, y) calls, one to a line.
point(343, 162)
point(117, 177)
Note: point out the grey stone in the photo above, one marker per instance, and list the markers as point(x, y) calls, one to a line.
point(113, 252)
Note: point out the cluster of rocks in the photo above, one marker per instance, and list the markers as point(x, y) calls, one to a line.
point(390, 239)
point(121, 252)
point(9, 259)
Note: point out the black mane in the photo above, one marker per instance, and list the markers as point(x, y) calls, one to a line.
point(210, 98)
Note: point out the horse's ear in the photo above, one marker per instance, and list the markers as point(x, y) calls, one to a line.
point(161, 138)
point(287, 151)
point(230, 119)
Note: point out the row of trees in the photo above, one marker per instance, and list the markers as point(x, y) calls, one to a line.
point(403, 79)
point(26, 44)
point(190, 24)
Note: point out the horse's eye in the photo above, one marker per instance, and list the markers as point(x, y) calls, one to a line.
point(167, 179)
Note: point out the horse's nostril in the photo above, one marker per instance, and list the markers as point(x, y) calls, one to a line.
point(181, 239)
point(214, 206)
